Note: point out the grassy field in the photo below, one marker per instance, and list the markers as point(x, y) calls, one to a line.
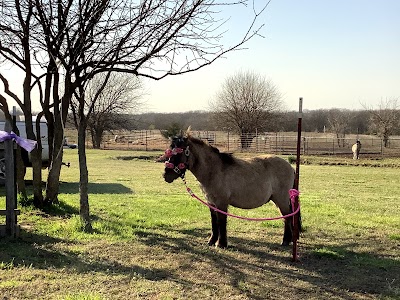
point(149, 239)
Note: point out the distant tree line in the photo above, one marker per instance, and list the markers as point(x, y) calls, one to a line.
point(383, 122)
point(198, 120)
point(321, 120)
point(247, 103)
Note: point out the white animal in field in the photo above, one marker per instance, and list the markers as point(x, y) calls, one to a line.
point(119, 139)
point(356, 149)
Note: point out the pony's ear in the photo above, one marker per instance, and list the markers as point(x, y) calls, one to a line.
point(188, 132)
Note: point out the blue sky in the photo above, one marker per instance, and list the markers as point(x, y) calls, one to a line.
point(341, 54)
point(334, 54)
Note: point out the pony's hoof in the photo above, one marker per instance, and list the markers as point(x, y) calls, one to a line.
point(222, 245)
point(211, 242)
point(285, 243)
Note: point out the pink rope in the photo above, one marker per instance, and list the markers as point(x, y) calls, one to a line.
point(292, 192)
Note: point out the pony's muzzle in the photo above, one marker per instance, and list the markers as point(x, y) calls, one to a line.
point(169, 176)
point(168, 180)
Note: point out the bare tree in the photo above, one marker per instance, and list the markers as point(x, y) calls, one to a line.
point(120, 97)
point(147, 39)
point(75, 40)
point(17, 25)
point(245, 104)
point(338, 120)
point(82, 112)
point(385, 119)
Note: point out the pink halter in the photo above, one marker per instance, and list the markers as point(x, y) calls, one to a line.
point(181, 166)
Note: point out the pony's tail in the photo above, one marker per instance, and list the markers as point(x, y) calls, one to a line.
point(299, 222)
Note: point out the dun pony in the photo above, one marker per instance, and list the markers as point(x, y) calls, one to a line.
point(226, 180)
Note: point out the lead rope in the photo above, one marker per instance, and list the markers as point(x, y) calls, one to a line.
point(293, 193)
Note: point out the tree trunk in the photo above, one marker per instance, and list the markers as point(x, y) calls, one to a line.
point(98, 138)
point(60, 116)
point(37, 178)
point(385, 141)
point(53, 178)
point(92, 136)
point(246, 139)
point(36, 154)
point(21, 170)
point(83, 179)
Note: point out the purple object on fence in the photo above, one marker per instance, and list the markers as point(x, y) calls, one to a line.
point(27, 144)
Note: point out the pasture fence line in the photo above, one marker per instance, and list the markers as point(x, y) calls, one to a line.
point(259, 142)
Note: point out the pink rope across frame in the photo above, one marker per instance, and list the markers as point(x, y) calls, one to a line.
point(292, 192)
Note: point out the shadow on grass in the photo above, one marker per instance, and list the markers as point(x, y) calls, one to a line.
point(253, 268)
point(334, 272)
point(61, 209)
point(362, 272)
point(95, 188)
point(39, 251)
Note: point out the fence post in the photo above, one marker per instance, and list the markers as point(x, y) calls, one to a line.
point(146, 140)
point(256, 141)
point(228, 141)
point(11, 218)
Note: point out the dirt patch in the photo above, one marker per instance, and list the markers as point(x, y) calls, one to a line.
point(337, 161)
point(137, 157)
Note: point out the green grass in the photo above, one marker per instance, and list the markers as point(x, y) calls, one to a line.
point(149, 239)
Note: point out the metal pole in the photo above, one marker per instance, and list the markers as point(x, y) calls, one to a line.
point(296, 228)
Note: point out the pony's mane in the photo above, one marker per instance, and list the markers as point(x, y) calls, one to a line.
point(226, 158)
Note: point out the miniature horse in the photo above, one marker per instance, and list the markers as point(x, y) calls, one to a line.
point(226, 180)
